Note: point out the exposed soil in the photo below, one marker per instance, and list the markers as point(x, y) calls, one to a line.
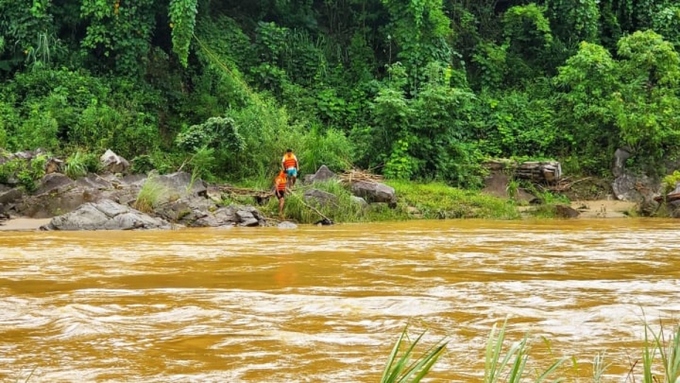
point(23, 224)
point(603, 208)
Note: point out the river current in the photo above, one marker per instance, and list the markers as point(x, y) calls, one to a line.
point(326, 304)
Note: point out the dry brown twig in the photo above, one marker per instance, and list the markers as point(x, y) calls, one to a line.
point(357, 175)
point(562, 186)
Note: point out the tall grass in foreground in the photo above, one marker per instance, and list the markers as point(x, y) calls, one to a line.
point(434, 200)
point(668, 351)
point(510, 367)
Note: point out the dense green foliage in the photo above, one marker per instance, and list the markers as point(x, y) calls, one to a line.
point(414, 89)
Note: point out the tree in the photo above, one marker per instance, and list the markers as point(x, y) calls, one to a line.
point(631, 102)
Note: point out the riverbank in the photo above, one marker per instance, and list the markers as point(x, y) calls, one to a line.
point(587, 210)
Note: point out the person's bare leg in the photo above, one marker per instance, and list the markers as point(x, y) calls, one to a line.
point(281, 202)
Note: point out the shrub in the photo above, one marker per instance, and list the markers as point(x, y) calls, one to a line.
point(670, 181)
point(79, 164)
point(142, 164)
point(330, 148)
point(26, 173)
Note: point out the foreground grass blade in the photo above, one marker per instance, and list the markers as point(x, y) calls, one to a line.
point(399, 371)
point(514, 360)
point(599, 368)
point(552, 369)
point(390, 360)
point(493, 369)
point(670, 354)
point(648, 353)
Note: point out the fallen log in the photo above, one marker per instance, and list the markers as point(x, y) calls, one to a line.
point(536, 171)
point(671, 197)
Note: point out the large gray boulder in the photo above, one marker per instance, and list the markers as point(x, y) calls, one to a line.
point(359, 201)
point(565, 211)
point(11, 195)
point(181, 184)
point(635, 188)
point(113, 163)
point(58, 194)
point(321, 175)
point(320, 197)
point(620, 157)
point(97, 182)
point(105, 215)
point(55, 202)
point(374, 192)
point(195, 211)
point(53, 181)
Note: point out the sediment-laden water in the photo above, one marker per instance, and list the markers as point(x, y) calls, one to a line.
point(322, 304)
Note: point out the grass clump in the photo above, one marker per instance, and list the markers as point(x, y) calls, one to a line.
point(430, 201)
point(150, 195)
point(439, 201)
point(340, 207)
point(79, 164)
point(25, 173)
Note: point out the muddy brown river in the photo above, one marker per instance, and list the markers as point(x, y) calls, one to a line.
point(325, 304)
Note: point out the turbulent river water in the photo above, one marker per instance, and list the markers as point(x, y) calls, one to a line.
point(326, 304)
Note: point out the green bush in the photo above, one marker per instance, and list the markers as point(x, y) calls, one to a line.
point(3, 137)
point(330, 148)
point(39, 130)
point(670, 181)
point(26, 173)
point(79, 164)
point(141, 164)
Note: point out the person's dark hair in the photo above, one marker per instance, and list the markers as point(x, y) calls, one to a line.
point(289, 150)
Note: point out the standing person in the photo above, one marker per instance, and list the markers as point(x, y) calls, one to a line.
point(280, 186)
point(290, 165)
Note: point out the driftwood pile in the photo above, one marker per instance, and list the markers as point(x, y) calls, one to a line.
point(357, 175)
point(536, 171)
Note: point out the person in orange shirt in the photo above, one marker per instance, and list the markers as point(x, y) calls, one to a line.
point(290, 165)
point(280, 184)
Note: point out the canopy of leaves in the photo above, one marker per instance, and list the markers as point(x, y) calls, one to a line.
point(410, 88)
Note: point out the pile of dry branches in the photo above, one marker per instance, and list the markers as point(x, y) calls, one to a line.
point(357, 175)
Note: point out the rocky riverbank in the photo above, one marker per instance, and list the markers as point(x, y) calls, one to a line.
point(115, 199)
